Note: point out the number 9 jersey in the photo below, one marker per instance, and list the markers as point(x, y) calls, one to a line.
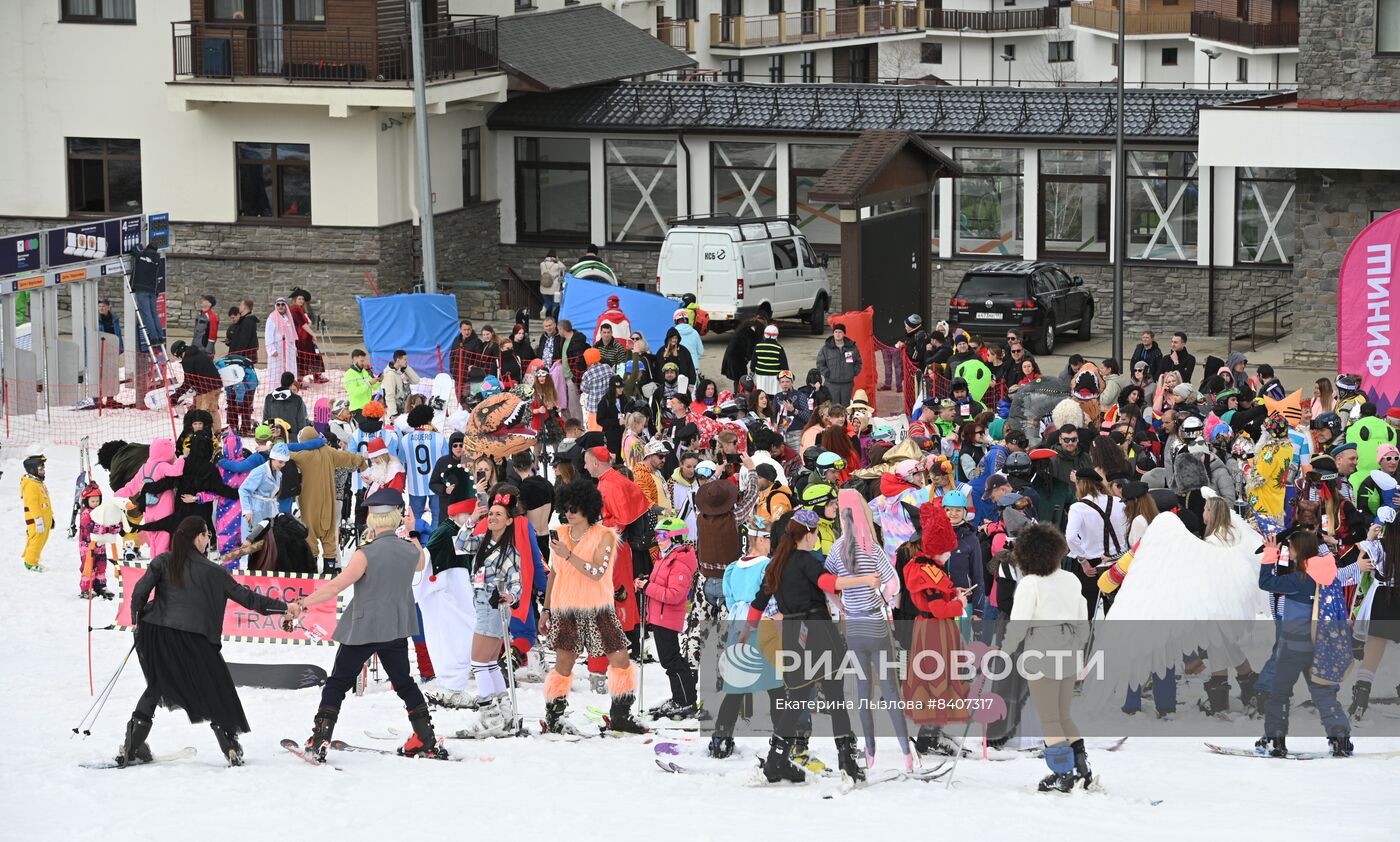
point(421, 450)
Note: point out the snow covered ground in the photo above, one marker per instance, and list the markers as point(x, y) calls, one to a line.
point(1155, 788)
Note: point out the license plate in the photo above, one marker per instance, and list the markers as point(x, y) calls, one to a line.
point(992, 316)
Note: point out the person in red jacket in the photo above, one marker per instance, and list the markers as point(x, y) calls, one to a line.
point(933, 697)
point(667, 590)
point(623, 503)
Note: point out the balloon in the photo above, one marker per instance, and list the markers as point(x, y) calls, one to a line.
point(1368, 434)
point(977, 375)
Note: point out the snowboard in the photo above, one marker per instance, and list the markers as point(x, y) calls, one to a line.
point(277, 676)
point(182, 754)
point(1294, 755)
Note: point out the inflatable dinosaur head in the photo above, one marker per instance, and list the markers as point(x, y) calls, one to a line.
point(1368, 434)
point(499, 427)
point(1085, 387)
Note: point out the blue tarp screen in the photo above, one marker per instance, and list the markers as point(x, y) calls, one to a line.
point(420, 324)
point(585, 301)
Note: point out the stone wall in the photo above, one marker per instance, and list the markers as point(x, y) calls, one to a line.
point(1333, 206)
point(1162, 298)
point(1336, 53)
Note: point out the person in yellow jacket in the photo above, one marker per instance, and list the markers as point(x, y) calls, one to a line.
point(38, 511)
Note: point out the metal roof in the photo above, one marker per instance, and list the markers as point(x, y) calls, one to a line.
point(578, 46)
point(825, 109)
point(847, 180)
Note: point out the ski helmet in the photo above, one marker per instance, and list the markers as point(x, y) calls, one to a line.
point(32, 464)
point(91, 490)
point(672, 529)
point(1191, 428)
point(1017, 464)
point(1328, 421)
point(817, 495)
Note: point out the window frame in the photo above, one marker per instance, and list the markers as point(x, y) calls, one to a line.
point(104, 157)
point(1394, 6)
point(775, 67)
point(65, 16)
point(688, 10)
point(1102, 180)
point(521, 234)
point(471, 172)
point(809, 65)
point(1066, 52)
point(278, 164)
point(925, 46)
point(1173, 185)
point(251, 15)
point(795, 173)
point(670, 202)
point(1242, 69)
point(1289, 204)
point(1017, 174)
point(719, 168)
point(733, 70)
point(1175, 56)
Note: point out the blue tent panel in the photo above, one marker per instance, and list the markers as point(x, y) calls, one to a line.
point(585, 300)
point(421, 324)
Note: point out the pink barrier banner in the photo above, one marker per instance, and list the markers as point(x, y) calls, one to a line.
point(243, 626)
point(1365, 319)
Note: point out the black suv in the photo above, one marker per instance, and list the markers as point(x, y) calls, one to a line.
point(1033, 298)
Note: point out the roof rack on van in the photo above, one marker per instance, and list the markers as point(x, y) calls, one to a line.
point(739, 222)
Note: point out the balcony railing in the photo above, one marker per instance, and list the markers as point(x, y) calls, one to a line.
point(1242, 32)
point(677, 33)
point(1137, 23)
point(739, 32)
point(1046, 17)
point(462, 46)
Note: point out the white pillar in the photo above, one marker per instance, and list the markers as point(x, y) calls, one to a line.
point(1205, 216)
point(1030, 203)
point(597, 200)
point(505, 186)
point(1224, 216)
point(783, 167)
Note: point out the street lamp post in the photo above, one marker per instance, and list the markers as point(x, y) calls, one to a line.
point(1008, 59)
point(961, 30)
point(1211, 56)
point(1120, 218)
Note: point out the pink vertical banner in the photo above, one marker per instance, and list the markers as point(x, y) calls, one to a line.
point(1365, 319)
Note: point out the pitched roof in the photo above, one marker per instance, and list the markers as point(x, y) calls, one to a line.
point(825, 109)
point(847, 180)
point(580, 45)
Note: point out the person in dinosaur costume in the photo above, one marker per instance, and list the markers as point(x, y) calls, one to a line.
point(1085, 387)
point(499, 427)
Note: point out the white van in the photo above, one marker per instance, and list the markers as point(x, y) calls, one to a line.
point(737, 268)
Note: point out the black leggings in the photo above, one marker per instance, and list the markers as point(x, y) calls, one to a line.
point(350, 659)
point(801, 697)
point(733, 703)
point(677, 666)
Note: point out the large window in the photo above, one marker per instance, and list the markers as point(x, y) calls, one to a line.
point(744, 178)
point(775, 67)
point(989, 201)
point(1264, 215)
point(471, 165)
point(551, 188)
point(268, 11)
point(274, 181)
point(1061, 51)
point(1074, 202)
point(809, 66)
point(1388, 26)
point(99, 11)
point(641, 179)
point(1163, 199)
point(821, 222)
point(104, 175)
point(733, 70)
point(688, 10)
point(931, 52)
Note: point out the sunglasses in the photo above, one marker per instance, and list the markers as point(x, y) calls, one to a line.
point(636, 339)
point(1069, 441)
point(1390, 458)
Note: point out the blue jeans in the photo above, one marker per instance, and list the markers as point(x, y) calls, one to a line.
point(1292, 660)
point(713, 590)
point(150, 320)
point(418, 505)
point(551, 306)
point(1266, 673)
point(990, 614)
point(1163, 694)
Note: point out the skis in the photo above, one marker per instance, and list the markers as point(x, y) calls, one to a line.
point(295, 748)
point(924, 775)
point(182, 754)
point(393, 734)
point(1295, 755)
point(341, 745)
point(277, 676)
point(79, 487)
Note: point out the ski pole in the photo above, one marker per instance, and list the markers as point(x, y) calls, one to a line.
point(95, 709)
point(642, 656)
point(510, 665)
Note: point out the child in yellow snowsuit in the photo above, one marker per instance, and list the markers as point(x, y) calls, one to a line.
point(38, 511)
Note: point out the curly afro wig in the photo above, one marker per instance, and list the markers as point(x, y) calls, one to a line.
point(581, 496)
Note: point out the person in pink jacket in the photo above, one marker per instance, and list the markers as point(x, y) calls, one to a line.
point(667, 591)
point(161, 463)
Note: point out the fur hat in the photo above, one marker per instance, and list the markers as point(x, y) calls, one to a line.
point(1067, 412)
point(373, 409)
point(937, 536)
point(420, 416)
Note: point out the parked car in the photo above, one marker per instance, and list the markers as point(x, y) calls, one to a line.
point(737, 268)
point(1036, 299)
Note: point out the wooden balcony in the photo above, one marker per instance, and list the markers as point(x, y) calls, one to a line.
point(1244, 33)
point(258, 53)
point(1138, 23)
point(1046, 17)
point(677, 33)
point(821, 25)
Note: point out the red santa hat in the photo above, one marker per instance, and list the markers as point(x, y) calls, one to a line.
point(462, 507)
point(937, 531)
point(377, 447)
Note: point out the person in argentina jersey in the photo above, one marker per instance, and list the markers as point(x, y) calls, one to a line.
point(421, 448)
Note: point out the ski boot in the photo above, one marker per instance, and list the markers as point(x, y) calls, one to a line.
point(554, 716)
point(1082, 770)
point(932, 740)
point(721, 745)
point(848, 758)
point(99, 589)
point(598, 683)
point(228, 744)
point(802, 756)
point(683, 712)
point(1360, 700)
point(1340, 741)
point(322, 729)
point(663, 710)
point(86, 595)
point(492, 721)
point(620, 716)
point(1062, 778)
point(1217, 698)
point(1271, 747)
point(423, 742)
point(135, 750)
point(1248, 697)
point(778, 765)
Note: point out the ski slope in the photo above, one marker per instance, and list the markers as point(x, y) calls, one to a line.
point(1154, 788)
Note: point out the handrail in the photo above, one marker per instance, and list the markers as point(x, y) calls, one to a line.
point(1283, 324)
point(515, 284)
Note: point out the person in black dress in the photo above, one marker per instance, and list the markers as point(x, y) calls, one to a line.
point(178, 640)
point(797, 578)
